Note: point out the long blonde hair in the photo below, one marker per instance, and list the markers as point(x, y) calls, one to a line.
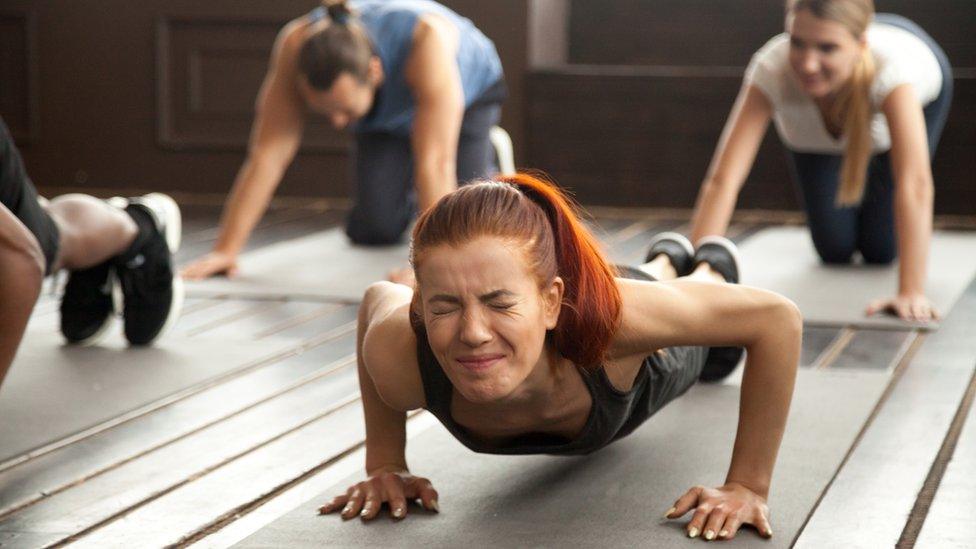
point(852, 108)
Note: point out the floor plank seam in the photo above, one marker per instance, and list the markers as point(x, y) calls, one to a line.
point(836, 347)
point(331, 368)
point(916, 519)
point(242, 510)
point(896, 376)
point(218, 322)
point(349, 400)
point(298, 320)
point(175, 397)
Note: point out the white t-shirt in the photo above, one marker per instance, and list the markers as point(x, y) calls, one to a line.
point(900, 57)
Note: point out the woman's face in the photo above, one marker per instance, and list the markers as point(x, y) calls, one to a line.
point(822, 53)
point(485, 315)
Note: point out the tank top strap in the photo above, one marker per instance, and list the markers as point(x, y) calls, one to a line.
point(437, 387)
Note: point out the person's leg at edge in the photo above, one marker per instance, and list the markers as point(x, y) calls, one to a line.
point(22, 267)
point(833, 229)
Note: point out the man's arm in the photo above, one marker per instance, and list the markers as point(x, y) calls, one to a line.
point(275, 137)
point(433, 76)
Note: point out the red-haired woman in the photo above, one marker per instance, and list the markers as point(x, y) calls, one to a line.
point(519, 334)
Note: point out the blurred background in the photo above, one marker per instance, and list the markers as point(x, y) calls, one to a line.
point(622, 101)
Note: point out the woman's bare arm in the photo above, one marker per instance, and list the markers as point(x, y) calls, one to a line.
point(914, 192)
point(682, 312)
point(731, 163)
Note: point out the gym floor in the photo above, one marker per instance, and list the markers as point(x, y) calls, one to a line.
point(246, 416)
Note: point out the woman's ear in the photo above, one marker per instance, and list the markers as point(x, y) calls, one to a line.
point(553, 301)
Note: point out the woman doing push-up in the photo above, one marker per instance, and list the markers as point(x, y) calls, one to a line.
point(521, 338)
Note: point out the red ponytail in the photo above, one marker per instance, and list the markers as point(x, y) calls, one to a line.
point(532, 210)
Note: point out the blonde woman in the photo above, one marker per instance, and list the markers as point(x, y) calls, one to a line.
point(859, 100)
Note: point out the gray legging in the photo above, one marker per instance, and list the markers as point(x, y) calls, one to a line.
point(868, 227)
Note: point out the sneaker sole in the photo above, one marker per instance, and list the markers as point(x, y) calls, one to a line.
point(729, 246)
point(97, 337)
point(677, 237)
point(173, 221)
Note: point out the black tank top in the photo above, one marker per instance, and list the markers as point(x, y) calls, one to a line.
point(614, 414)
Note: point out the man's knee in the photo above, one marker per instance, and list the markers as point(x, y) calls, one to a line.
point(375, 232)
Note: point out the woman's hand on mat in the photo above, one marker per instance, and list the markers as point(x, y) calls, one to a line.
point(213, 263)
point(394, 488)
point(906, 307)
point(719, 512)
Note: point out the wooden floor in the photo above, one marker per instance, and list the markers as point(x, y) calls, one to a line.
point(211, 462)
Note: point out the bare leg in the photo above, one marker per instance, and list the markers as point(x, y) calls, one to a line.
point(21, 274)
point(91, 230)
point(660, 268)
point(705, 272)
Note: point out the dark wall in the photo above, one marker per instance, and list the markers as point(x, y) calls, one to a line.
point(159, 94)
point(640, 107)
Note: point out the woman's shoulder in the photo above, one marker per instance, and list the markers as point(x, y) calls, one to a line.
point(389, 355)
point(768, 66)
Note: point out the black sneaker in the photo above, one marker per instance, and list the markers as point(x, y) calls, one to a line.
point(720, 362)
point(721, 255)
point(676, 247)
point(152, 292)
point(86, 306)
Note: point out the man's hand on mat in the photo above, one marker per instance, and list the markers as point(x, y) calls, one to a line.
point(393, 488)
point(906, 307)
point(719, 512)
point(213, 263)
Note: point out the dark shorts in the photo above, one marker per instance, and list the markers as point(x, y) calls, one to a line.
point(17, 194)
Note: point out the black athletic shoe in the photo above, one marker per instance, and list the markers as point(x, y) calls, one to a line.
point(677, 248)
point(721, 255)
point(720, 362)
point(86, 306)
point(152, 292)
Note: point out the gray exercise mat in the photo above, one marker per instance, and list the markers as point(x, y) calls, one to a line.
point(321, 265)
point(615, 497)
point(53, 390)
point(783, 260)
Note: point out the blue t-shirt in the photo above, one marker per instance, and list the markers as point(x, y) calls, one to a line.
point(390, 25)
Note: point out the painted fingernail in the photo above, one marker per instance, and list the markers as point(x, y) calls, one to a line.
point(723, 533)
point(693, 533)
point(435, 506)
point(769, 532)
point(709, 535)
point(364, 512)
point(668, 514)
point(398, 512)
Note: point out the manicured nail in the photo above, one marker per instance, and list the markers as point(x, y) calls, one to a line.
point(364, 512)
point(347, 508)
point(398, 512)
point(435, 506)
point(723, 533)
point(709, 535)
point(668, 514)
point(769, 532)
point(693, 533)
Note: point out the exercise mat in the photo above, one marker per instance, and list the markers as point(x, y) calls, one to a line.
point(321, 265)
point(783, 260)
